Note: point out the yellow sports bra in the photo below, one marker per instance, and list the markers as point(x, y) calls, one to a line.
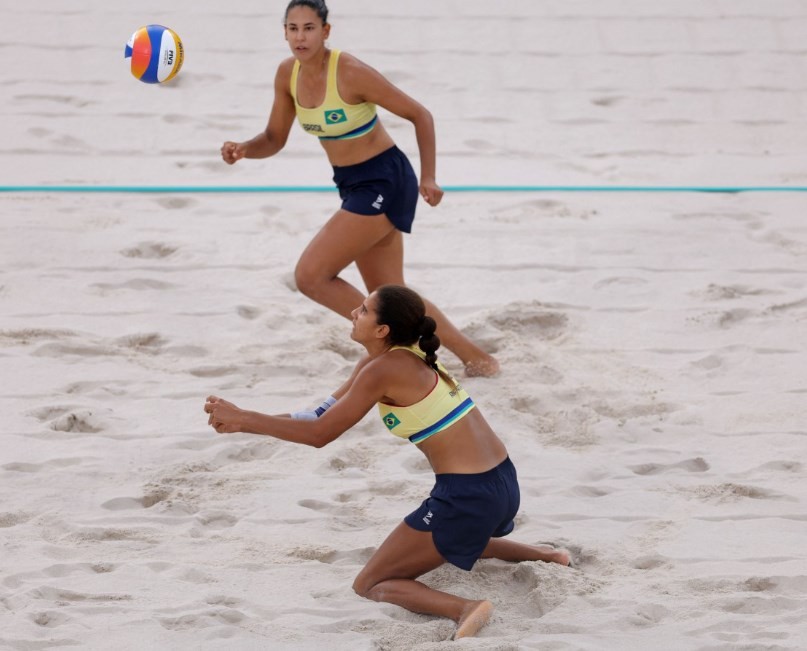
point(442, 407)
point(334, 119)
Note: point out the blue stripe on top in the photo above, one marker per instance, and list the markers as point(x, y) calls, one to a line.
point(454, 415)
point(360, 131)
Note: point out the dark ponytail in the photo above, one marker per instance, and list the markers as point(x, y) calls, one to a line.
point(317, 5)
point(428, 341)
point(404, 312)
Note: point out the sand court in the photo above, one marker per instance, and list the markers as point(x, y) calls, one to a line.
point(652, 343)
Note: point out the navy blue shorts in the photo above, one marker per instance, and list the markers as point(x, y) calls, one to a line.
point(464, 512)
point(382, 185)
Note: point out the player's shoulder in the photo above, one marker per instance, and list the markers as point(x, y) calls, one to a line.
point(285, 67)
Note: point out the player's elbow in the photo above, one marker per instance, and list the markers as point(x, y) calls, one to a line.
point(423, 117)
point(320, 438)
point(319, 443)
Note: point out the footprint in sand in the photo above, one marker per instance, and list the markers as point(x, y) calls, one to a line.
point(588, 491)
point(650, 562)
point(26, 336)
point(248, 312)
point(330, 556)
point(205, 619)
point(136, 284)
point(257, 451)
point(61, 349)
point(213, 371)
point(152, 497)
point(336, 343)
point(49, 618)
point(176, 118)
point(69, 419)
point(342, 517)
point(356, 458)
point(516, 213)
point(147, 342)
point(58, 99)
point(689, 465)
point(619, 282)
point(270, 210)
point(45, 467)
point(175, 203)
point(730, 492)
point(83, 421)
point(530, 320)
point(625, 412)
point(89, 535)
point(150, 250)
point(9, 519)
point(525, 320)
point(325, 507)
point(59, 595)
point(213, 520)
point(779, 466)
point(715, 292)
point(58, 571)
point(607, 100)
point(709, 363)
point(786, 307)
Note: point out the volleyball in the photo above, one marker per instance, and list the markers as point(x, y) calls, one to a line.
point(156, 54)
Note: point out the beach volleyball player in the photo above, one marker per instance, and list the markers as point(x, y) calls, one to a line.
point(334, 96)
point(476, 494)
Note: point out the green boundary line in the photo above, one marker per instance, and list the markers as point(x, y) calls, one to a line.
point(247, 189)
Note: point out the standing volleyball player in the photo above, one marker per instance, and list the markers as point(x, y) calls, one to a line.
point(334, 96)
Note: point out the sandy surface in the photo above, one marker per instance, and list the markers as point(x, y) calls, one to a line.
point(653, 345)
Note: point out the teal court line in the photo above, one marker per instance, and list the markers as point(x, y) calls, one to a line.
point(253, 189)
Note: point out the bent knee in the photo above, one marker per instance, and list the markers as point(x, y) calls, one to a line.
point(363, 585)
point(308, 279)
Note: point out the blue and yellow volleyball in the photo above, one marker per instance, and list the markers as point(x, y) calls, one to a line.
point(156, 54)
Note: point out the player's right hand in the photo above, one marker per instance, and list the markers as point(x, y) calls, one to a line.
point(232, 152)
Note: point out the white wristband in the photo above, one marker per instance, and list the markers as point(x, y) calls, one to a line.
point(313, 414)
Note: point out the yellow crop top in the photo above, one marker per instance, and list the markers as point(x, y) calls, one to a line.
point(442, 407)
point(334, 119)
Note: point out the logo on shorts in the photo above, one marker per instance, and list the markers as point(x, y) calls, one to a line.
point(391, 421)
point(377, 203)
point(428, 518)
point(335, 116)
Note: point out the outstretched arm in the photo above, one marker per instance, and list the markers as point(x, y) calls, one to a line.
point(361, 392)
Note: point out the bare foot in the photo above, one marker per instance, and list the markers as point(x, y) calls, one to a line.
point(474, 618)
point(552, 554)
point(562, 557)
point(486, 366)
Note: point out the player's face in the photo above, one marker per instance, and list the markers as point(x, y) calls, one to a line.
point(365, 324)
point(305, 32)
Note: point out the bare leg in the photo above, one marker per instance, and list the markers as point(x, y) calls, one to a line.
point(390, 575)
point(509, 550)
point(377, 248)
point(342, 240)
point(383, 265)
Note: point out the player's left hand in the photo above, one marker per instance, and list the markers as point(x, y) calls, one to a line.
point(431, 192)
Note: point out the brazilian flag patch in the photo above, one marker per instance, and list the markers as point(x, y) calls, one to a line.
point(391, 421)
point(335, 116)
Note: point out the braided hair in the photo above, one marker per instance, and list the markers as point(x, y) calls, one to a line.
point(404, 312)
